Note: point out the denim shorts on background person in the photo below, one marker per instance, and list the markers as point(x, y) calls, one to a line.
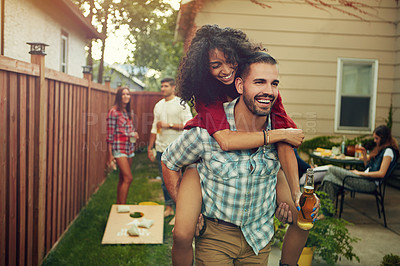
point(118, 154)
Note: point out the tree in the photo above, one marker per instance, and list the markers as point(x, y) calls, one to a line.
point(152, 33)
point(144, 18)
point(156, 50)
point(101, 13)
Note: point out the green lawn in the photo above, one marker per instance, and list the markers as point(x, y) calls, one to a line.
point(81, 245)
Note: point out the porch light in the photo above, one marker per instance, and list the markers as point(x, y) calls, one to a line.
point(37, 48)
point(107, 78)
point(87, 69)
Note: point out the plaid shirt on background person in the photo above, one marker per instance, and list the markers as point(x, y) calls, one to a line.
point(237, 186)
point(119, 126)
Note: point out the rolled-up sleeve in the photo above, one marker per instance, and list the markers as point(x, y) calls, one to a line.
point(186, 115)
point(111, 124)
point(155, 119)
point(185, 150)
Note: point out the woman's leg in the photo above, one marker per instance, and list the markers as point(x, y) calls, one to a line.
point(295, 238)
point(188, 207)
point(125, 178)
point(333, 180)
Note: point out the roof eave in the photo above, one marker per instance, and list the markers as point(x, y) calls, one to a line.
point(91, 32)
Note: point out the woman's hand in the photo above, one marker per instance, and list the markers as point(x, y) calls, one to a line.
point(110, 162)
point(293, 136)
point(316, 208)
point(356, 172)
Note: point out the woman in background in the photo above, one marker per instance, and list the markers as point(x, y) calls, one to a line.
point(121, 138)
point(383, 156)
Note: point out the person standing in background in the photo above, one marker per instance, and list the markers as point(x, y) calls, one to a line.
point(121, 139)
point(170, 116)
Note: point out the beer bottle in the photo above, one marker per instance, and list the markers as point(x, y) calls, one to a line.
point(307, 202)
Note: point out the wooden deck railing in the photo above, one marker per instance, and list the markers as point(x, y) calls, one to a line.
point(52, 152)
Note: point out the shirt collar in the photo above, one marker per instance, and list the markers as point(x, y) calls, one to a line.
point(230, 114)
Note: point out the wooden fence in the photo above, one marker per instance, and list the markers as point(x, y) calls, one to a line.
point(52, 152)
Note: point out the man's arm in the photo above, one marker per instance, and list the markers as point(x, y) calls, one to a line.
point(185, 150)
point(153, 133)
point(171, 180)
point(152, 140)
point(178, 127)
point(185, 115)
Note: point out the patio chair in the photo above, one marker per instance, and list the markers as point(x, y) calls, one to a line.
point(379, 191)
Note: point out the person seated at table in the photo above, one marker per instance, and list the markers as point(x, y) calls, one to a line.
point(381, 158)
point(319, 171)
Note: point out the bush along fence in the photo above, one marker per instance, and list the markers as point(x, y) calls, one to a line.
point(53, 150)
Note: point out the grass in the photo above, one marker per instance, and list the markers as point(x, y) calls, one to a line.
point(81, 245)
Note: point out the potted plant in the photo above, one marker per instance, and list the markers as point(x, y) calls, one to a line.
point(390, 260)
point(329, 238)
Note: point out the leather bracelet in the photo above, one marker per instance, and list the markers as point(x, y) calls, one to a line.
point(264, 137)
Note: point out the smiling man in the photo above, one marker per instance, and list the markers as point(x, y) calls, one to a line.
point(238, 187)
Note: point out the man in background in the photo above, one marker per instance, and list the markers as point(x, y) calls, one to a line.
point(170, 116)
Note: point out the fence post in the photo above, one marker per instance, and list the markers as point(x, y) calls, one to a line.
point(37, 53)
point(87, 74)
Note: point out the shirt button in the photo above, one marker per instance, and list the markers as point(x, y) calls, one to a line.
point(245, 210)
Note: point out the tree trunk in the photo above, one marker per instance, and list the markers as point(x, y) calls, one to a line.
point(103, 47)
point(89, 60)
point(101, 64)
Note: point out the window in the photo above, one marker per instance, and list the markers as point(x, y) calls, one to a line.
point(64, 52)
point(356, 95)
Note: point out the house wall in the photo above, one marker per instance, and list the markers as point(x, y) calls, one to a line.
point(307, 42)
point(396, 87)
point(28, 21)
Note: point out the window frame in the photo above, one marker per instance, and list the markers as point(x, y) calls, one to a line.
point(372, 111)
point(64, 37)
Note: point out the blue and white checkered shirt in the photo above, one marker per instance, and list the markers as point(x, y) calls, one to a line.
point(237, 186)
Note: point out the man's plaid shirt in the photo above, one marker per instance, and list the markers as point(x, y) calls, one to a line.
point(237, 186)
point(119, 126)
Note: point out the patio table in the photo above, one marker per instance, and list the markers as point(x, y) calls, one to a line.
point(347, 161)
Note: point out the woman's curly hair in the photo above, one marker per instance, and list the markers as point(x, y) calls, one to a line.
point(194, 80)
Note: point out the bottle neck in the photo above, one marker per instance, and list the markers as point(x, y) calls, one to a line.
point(308, 189)
point(309, 184)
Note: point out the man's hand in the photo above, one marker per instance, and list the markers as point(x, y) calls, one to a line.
point(293, 136)
point(150, 154)
point(283, 213)
point(199, 226)
point(161, 124)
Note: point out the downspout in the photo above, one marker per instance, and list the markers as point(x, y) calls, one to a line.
point(2, 27)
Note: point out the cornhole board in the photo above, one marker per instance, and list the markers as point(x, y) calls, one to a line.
point(118, 224)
